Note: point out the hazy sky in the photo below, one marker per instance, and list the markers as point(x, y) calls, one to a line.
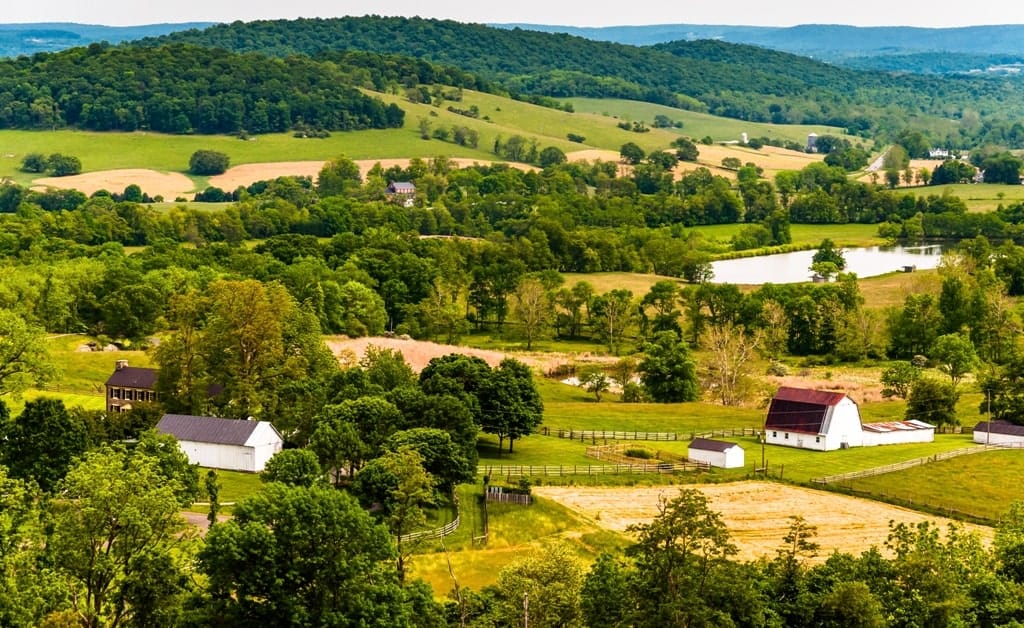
point(566, 12)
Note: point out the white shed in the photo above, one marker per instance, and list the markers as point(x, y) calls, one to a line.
point(235, 445)
point(999, 433)
point(716, 453)
point(813, 419)
point(898, 433)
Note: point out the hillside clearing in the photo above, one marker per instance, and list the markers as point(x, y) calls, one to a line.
point(170, 185)
point(756, 513)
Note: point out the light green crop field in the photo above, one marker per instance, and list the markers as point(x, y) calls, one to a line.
point(513, 532)
point(979, 197)
point(699, 125)
point(980, 485)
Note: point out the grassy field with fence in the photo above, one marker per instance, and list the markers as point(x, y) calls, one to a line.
point(982, 485)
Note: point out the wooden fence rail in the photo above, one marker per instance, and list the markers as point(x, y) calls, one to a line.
point(606, 435)
point(899, 466)
point(436, 533)
point(501, 496)
point(509, 471)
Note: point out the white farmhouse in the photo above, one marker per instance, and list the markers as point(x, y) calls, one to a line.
point(813, 419)
point(716, 453)
point(999, 433)
point(230, 444)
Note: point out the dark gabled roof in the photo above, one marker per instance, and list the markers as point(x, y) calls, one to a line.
point(207, 429)
point(1000, 427)
point(706, 444)
point(133, 377)
point(806, 395)
point(401, 187)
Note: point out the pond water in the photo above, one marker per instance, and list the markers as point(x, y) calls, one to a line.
point(795, 267)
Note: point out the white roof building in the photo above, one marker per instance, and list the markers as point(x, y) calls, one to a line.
point(230, 444)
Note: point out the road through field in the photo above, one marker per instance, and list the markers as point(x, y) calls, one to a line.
point(756, 513)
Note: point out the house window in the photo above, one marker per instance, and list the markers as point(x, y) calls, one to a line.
point(112, 394)
point(775, 434)
point(787, 435)
point(817, 439)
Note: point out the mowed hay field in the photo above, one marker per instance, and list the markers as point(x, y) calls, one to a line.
point(757, 514)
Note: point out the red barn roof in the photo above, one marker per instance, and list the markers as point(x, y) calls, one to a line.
point(801, 409)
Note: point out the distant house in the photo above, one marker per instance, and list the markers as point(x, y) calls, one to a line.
point(813, 419)
point(998, 433)
point(716, 453)
point(230, 444)
point(129, 384)
point(401, 192)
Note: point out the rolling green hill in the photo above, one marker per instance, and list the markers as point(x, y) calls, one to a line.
point(737, 81)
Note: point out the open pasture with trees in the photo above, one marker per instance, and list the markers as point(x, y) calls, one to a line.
point(699, 125)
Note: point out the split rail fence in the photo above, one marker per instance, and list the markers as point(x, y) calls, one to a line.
point(899, 466)
point(594, 436)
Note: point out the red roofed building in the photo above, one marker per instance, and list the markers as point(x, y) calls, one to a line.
point(813, 419)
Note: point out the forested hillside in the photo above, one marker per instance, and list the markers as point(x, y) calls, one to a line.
point(736, 81)
point(183, 89)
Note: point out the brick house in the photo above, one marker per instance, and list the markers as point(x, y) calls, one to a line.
point(130, 384)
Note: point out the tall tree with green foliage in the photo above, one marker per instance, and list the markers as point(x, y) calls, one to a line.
point(302, 556)
point(510, 404)
point(667, 371)
point(42, 442)
point(117, 541)
point(24, 359)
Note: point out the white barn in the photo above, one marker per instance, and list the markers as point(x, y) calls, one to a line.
point(716, 453)
point(999, 433)
point(235, 445)
point(898, 432)
point(813, 419)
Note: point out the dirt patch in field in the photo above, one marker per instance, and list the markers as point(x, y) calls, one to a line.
point(170, 185)
point(756, 513)
point(593, 154)
point(418, 353)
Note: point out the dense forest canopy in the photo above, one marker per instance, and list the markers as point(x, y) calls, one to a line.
point(183, 89)
point(726, 79)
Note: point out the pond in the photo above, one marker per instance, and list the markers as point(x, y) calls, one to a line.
point(795, 267)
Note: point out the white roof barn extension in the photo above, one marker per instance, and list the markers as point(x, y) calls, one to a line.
point(230, 444)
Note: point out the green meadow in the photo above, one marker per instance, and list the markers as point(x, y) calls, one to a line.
point(699, 125)
point(979, 197)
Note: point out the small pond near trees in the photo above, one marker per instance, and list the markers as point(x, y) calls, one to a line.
point(795, 267)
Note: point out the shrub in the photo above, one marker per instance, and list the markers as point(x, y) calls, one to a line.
point(632, 392)
point(64, 165)
point(638, 452)
point(573, 137)
point(34, 162)
point(208, 162)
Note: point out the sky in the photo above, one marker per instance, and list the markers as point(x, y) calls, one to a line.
point(563, 13)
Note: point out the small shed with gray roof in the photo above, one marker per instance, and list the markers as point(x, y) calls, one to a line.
point(999, 433)
point(230, 444)
point(716, 453)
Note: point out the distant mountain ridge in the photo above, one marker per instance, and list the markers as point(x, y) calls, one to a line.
point(888, 48)
point(28, 39)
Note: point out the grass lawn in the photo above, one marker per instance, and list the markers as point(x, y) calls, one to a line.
point(975, 484)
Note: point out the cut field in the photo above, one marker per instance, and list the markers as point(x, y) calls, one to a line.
point(770, 158)
point(756, 514)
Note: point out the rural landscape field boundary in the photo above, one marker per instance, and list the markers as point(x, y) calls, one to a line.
point(899, 466)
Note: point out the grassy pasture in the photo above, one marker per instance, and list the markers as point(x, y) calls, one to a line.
point(979, 197)
point(512, 531)
point(698, 125)
point(975, 484)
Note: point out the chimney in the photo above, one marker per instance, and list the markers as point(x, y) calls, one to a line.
point(120, 364)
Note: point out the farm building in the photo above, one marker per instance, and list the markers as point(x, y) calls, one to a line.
point(128, 384)
point(826, 421)
point(813, 419)
point(898, 432)
point(231, 444)
point(999, 433)
point(716, 453)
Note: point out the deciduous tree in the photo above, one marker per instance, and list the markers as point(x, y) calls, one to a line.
point(667, 372)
